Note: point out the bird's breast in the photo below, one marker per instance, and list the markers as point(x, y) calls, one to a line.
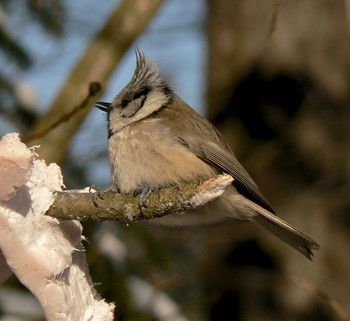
point(146, 153)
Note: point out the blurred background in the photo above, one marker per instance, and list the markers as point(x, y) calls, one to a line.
point(273, 76)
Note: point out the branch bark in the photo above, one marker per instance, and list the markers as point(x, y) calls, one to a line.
point(79, 205)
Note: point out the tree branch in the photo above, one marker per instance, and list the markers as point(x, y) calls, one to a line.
point(94, 89)
point(273, 22)
point(97, 64)
point(79, 205)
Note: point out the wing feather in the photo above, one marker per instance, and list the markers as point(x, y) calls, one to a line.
point(226, 161)
point(205, 141)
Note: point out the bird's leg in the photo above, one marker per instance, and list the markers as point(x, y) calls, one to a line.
point(145, 191)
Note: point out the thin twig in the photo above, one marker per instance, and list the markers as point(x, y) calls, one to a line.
point(323, 296)
point(94, 88)
point(273, 22)
point(347, 13)
point(101, 56)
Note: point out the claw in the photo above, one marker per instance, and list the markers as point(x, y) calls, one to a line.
point(100, 191)
point(145, 191)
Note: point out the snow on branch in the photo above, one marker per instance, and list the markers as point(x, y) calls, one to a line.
point(46, 255)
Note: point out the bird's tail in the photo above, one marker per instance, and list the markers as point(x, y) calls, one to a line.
point(284, 231)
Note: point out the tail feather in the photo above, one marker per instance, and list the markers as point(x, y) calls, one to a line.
point(284, 231)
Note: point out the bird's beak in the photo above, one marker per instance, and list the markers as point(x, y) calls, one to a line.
point(103, 106)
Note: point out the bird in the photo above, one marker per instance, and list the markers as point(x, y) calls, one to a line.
point(155, 139)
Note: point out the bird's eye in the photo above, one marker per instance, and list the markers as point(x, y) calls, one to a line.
point(124, 103)
point(143, 92)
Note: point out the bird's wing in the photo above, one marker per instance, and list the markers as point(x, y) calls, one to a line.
point(205, 141)
point(228, 163)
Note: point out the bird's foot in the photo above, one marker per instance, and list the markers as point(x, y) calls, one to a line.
point(145, 191)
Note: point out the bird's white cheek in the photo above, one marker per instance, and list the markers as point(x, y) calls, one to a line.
point(154, 101)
